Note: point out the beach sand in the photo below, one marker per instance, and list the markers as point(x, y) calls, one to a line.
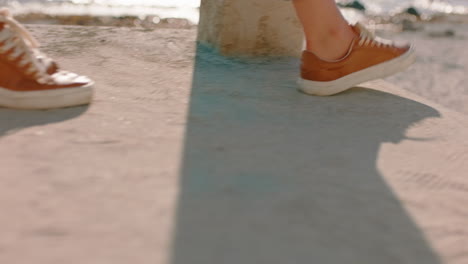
point(440, 72)
point(187, 157)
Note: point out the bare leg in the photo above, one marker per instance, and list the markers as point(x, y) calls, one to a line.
point(327, 33)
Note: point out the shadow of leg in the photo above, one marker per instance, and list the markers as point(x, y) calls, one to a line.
point(273, 176)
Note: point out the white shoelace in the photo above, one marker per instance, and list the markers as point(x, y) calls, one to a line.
point(368, 38)
point(17, 40)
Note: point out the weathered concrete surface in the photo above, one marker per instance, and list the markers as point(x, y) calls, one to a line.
point(245, 27)
point(186, 157)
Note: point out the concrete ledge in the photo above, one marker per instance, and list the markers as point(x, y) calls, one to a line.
point(249, 28)
point(184, 151)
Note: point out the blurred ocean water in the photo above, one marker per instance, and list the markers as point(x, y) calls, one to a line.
point(189, 8)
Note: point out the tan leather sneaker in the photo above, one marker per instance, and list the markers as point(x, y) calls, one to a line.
point(31, 80)
point(368, 58)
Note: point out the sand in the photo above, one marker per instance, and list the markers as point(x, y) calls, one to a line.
point(440, 73)
point(186, 157)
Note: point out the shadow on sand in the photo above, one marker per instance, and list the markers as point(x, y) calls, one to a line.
point(13, 120)
point(274, 176)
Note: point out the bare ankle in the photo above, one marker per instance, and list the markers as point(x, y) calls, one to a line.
point(332, 44)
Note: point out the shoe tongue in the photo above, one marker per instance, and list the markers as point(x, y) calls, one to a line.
point(362, 31)
point(358, 28)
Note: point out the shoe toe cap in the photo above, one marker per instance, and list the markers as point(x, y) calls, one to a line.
point(66, 78)
point(401, 46)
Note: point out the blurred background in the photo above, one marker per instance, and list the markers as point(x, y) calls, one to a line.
point(184, 13)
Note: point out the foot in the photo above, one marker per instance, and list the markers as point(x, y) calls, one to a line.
point(31, 80)
point(368, 58)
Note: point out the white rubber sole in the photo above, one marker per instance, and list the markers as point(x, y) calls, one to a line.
point(378, 71)
point(48, 99)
